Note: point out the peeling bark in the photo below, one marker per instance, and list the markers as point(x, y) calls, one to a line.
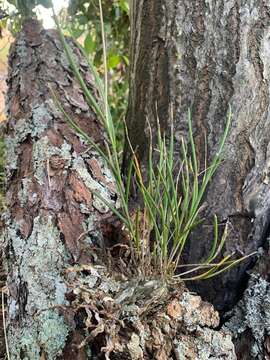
point(205, 55)
point(53, 218)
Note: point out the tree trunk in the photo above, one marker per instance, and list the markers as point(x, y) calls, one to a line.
point(66, 299)
point(205, 55)
point(53, 218)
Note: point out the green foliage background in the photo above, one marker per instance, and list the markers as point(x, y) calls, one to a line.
point(83, 22)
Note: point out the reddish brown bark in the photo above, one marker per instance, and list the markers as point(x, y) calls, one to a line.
point(53, 217)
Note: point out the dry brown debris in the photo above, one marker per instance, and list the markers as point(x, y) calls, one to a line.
point(120, 318)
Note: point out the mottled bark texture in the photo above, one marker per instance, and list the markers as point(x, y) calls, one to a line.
point(249, 321)
point(64, 301)
point(53, 218)
point(205, 55)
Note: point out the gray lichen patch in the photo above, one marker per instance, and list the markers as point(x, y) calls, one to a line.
point(42, 260)
point(93, 236)
point(25, 342)
point(37, 122)
point(53, 333)
point(11, 155)
point(105, 169)
point(11, 235)
point(196, 312)
point(21, 130)
point(41, 118)
point(205, 344)
point(47, 335)
point(34, 126)
point(215, 345)
point(252, 314)
point(42, 151)
point(21, 48)
point(39, 263)
point(23, 194)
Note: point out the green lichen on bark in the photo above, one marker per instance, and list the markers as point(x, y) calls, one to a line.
point(41, 117)
point(47, 334)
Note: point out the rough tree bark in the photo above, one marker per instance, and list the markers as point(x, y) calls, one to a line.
point(205, 55)
point(65, 301)
point(249, 321)
point(53, 217)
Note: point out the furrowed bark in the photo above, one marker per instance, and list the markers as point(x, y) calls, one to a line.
point(53, 217)
point(205, 55)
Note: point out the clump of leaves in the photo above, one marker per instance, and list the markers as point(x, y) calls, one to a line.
point(171, 196)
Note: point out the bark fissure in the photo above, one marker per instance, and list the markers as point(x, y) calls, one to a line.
point(215, 56)
point(218, 54)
